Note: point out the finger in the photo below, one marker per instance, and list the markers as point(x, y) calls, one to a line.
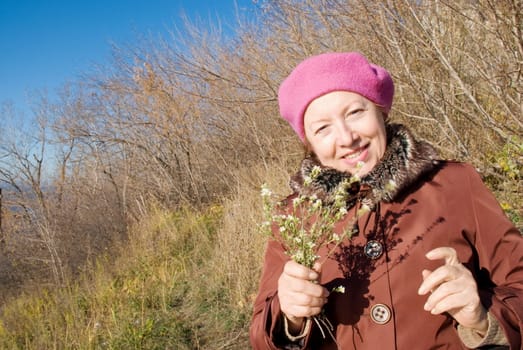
point(317, 267)
point(447, 253)
point(288, 284)
point(432, 280)
point(463, 284)
point(448, 303)
point(440, 293)
point(302, 299)
point(296, 270)
point(424, 287)
point(300, 304)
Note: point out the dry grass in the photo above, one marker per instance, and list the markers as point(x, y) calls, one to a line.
point(184, 280)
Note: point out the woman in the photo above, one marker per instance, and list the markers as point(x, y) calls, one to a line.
point(435, 263)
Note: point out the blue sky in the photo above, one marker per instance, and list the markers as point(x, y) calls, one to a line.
point(44, 43)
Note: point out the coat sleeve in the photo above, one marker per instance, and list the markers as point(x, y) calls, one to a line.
point(499, 246)
point(266, 306)
point(266, 330)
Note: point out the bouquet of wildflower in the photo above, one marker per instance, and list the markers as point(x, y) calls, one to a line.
point(309, 225)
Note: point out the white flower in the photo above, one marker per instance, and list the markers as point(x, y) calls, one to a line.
point(291, 218)
point(317, 205)
point(265, 191)
point(339, 289)
point(298, 256)
point(364, 209)
point(297, 201)
point(266, 224)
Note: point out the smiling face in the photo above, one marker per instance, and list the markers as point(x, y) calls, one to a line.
point(346, 131)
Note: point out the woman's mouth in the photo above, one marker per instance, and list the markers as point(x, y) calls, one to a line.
point(353, 155)
point(357, 156)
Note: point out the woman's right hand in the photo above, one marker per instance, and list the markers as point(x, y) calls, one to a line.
point(300, 297)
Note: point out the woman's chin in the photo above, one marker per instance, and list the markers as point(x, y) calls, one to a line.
point(361, 169)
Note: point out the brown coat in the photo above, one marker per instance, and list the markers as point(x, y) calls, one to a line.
point(450, 207)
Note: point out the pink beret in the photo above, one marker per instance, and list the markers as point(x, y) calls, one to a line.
point(328, 72)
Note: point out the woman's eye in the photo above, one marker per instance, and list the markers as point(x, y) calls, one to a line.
point(355, 111)
point(321, 129)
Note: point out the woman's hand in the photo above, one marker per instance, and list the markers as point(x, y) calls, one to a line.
point(453, 290)
point(299, 296)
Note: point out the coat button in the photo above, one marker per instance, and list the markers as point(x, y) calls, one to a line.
point(373, 249)
point(380, 313)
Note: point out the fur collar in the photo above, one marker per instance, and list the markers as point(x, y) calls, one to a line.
point(404, 162)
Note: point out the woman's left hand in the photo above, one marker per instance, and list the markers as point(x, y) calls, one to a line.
point(453, 290)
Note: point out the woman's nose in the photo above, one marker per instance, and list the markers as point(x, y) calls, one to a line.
point(345, 135)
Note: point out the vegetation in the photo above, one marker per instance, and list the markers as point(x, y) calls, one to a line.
point(147, 298)
point(130, 207)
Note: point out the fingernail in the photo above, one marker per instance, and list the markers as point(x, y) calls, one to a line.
point(422, 290)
